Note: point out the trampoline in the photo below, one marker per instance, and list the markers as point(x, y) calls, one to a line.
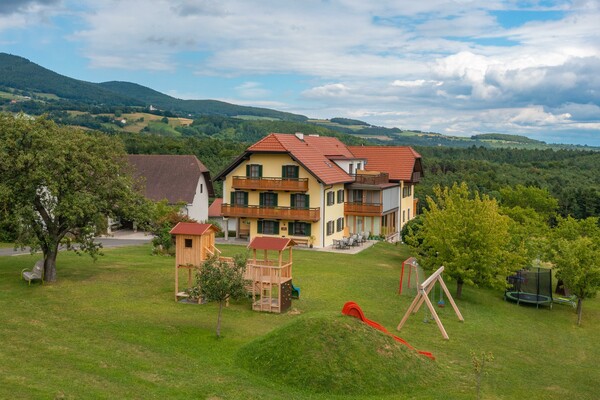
point(531, 287)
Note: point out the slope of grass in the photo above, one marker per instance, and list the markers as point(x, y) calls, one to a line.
point(111, 329)
point(337, 355)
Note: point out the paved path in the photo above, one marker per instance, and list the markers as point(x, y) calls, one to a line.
point(119, 239)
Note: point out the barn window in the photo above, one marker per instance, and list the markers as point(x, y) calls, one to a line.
point(188, 243)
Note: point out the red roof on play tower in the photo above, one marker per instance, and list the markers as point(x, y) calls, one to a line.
point(191, 228)
point(270, 243)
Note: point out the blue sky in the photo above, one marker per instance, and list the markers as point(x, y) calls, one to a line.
point(456, 67)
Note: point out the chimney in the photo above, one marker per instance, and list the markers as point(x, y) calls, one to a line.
point(300, 135)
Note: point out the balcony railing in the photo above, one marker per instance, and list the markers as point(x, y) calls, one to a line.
point(366, 179)
point(289, 184)
point(367, 209)
point(289, 213)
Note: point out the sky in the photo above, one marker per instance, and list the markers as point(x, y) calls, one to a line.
point(456, 67)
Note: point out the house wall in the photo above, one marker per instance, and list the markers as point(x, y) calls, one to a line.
point(188, 255)
point(271, 167)
point(198, 210)
point(391, 198)
point(331, 213)
point(407, 210)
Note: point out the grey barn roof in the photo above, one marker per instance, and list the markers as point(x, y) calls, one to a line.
point(170, 177)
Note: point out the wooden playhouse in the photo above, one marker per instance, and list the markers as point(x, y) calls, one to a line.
point(271, 279)
point(194, 244)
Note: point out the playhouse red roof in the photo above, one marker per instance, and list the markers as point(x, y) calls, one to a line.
point(270, 243)
point(191, 228)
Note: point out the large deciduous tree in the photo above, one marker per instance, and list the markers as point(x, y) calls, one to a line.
point(577, 258)
point(465, 233)
point(58, 184)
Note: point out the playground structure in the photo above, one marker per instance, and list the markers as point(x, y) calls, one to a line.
point(531, 286)
point(270, 280)
point(412, 268)
point(423, 297)
point(194, 244)
point(353, 310)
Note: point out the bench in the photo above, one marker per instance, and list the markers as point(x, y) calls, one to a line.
point(37, 272)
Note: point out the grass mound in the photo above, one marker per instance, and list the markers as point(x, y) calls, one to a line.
point(337, 355)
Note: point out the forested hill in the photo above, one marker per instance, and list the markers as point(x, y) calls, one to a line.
point(49, 90)
point(195, 107)
point(20, 73)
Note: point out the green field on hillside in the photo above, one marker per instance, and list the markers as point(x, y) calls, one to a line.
point(111, 329)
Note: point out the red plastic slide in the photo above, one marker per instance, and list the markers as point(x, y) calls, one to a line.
point(352, 309)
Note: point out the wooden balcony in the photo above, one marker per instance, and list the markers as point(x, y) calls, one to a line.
point(368, 179)
point(288, 213)
point(287, 184)
point(366, 209)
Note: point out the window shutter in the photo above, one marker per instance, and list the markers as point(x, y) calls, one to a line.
point(232, 198)
point(308, 226)
point(259, 226)
point(283, 171)
point(297, 171)
point(247, 170)
point(245, 198)
point(307, 200)
point(260, 171)
point(292, 200)
point(276, 228)
point(261, 199)
point(291, 228)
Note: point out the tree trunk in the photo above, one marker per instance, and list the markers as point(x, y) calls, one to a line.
point(50, 264)
point(579, 310)
point(219, 319)
point(459, 286)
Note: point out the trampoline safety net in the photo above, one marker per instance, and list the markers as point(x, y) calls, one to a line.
point(531, 286)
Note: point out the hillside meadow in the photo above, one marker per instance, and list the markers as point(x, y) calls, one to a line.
point(111, 329)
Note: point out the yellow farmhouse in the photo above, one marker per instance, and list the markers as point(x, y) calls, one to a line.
point(315, 189)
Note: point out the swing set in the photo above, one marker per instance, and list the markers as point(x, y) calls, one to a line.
point(423, 297)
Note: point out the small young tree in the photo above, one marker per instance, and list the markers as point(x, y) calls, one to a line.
point(577, 258)
point(219, 281)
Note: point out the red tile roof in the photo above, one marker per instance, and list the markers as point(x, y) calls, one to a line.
point(312, 153)
point(270, 243)
point(171, 177)
point(191, 228)
point(215, 208)
point(398, 161)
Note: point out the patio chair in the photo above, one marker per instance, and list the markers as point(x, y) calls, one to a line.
point(37, 272)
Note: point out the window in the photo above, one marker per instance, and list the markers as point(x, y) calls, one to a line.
point(239, 198)
point(408, 214)
point(254, 171)
point(358, 166)
point(356, 196)
point(340, 196)
point(289, 171)
point(188, 243)
point(201, 187)
point(403, 216)
point(299, 200)
point(340, 224)
point(351, 169)
point(330, 198)
point(268, 227)
point(268, 199)
point(406, 191)
point(330, 227)
point(299, 228)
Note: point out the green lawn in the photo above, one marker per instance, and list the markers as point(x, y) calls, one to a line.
point(111, 329)
point(4, 245)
